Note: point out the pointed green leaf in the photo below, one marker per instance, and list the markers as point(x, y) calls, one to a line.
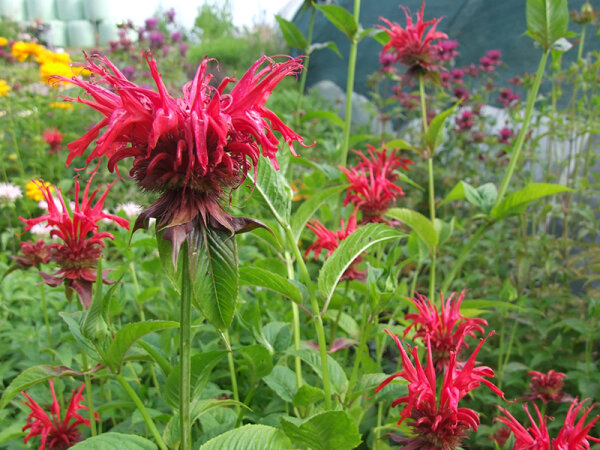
point(292, 34)
point(350, 249)
point(115, 441)
point(435, 133)
point(321, 45)
point(516, 202)
point(307, 396)
point(127, 336)
point(255, 276)
point(330, 116)
point(418, 223)
point(283, 382)
point(457, 193)
point(32, 376)
point(257, 362)
point(12, 431)
point(310, 206)
point(166, 258)
point(341, 19)
point(402, 145)
point(313, 359)
point(274, 189)
point(250, 437)
point(216, 285)
point(382, 37)
point(324, 431)
point(547, 21)
point(74, 321)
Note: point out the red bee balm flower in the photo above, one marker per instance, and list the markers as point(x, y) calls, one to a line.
point(372, 182)
point(192, 150)
point(53, 138)
point(438, 423)
point(56, 432)
point(82, 247)
point(330, 240)
point(532, 438)
point(546, 387)
point(446, 330)
point(412, 46)
point(34, 254)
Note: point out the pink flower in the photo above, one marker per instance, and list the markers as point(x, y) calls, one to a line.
point(461, 93)
point(413, 45)
point(330, 240)
point(53, 138)
point(193, 150)
point(445, 329)
point(464, 122)
point(373, 186)
point(507, 97)
point(56, 432)
point(457, 76)
point(78, 255)
point(447, 50)
point(436, 420)
point(505, 136)
point(546, 387)
point(533, 438)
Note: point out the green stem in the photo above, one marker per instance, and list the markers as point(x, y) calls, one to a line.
point(46, 321)
point(234, 385)
point(359, 351)
point(350, 88)
point(296, 319)
point(185, 330)
point(142, 409)
point(88, 393)
point(317, 316)
point(15, 143)
point(516, 153)
point(581, 41)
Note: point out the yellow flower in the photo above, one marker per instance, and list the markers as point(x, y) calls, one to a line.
point(12, 157)
point(45, 56)
point(22, 50)
point(4, 88)
point(61, 105)
point(33, 191)
point(81, 71)
point(47, 70)
point(3, 41)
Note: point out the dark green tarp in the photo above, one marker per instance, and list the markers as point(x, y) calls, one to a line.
point(478, 26)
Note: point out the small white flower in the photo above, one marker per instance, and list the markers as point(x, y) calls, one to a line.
point(40, 229)
point(9, 191)
point(130, 209)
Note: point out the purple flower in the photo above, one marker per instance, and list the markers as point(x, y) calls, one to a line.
point(176, 36)
point(472, 71)
point(486, 64)
point(457, 75)
point(129, 72)
point(157, 39)
point(505, 136)
point(183, 48)
point(171, 15)
point(461, 93)
point(464, 122)
point(447, 50)
point(445, 77)
point(113, 46)
point(151, 23)
point(507, 97)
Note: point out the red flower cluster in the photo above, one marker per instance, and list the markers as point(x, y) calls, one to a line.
point(574, 434)
point(53, 138)
point(373, 186)
point(56, 432)
point(78, 255)
point(546, 387)
point(192, 150)
point(413, 45)
point(34, 254)
point(444, 330)
point(436, 419)
point(330, 240)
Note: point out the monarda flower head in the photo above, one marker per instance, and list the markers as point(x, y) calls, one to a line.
point(56, 432)
point(330, 240)
point(547, 387)
point(82, 244)
point(192, 150)
point(413, 45)
point(372, 181)
point(436, 420)
point(445, 329)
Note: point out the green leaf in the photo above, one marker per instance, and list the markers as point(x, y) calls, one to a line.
point(73, 321)
point(307, 395)
point(250, 437)
point(283, 382)
point(341, 19)
point(274, 190)
point(166, 258)
point(517, 202)
point(255, 276)
point(310, 206)
point(115, 441)
point(292, 34)
point(401, 144)
point(32, 376)
point(418, 223)
point(321, 45)
point(435, 133)
point(330, 116)
point(216, 285)
point(382, 37)
point(350, 249)
point(11, 432)
point(258, 361)
point(547, 21)
point(483, 197)
point(457, 193)
point(127, 336)
point(201, 368)
point(324, 431)
point(313, 359)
